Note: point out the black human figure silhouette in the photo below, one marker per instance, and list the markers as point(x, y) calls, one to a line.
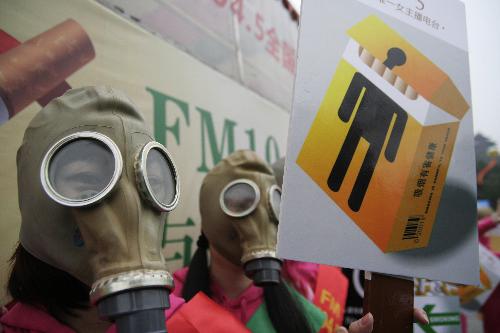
point(372, 122)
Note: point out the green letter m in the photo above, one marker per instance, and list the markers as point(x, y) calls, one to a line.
point(161, 101)
point(208, 130)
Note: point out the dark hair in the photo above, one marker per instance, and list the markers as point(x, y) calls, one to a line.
point(284, 310)
point(38, 284)
point(198, 276)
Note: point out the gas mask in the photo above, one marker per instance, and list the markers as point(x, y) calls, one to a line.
point(94, 191)
point(279, 171)
point(239, 205)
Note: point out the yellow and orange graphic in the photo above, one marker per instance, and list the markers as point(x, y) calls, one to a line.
point(467, 293)
point(383, 137)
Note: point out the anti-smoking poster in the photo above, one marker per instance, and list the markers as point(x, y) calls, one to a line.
point(380, 171)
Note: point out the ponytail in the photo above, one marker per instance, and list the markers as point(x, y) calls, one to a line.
point(198, 277)
point(284, 310)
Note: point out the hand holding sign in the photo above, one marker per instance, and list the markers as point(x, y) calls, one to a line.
point(365, 324)
point(380, 134)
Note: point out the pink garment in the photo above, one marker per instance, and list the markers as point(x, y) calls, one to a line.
point(484, 226)
point(491, 309)
point(24, 318)
point(301, 274)
point(243, 307)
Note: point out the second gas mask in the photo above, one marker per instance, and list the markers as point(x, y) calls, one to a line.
point(239, 205)
point(94, 189)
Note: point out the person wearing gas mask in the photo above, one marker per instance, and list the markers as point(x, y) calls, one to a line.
point(239, 206)
point(303, 275)
point(94, 191)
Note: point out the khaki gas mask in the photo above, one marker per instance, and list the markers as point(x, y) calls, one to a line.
point(239, 205)
point(94, 191)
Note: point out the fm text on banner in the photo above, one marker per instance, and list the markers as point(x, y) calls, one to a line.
point(199, 114)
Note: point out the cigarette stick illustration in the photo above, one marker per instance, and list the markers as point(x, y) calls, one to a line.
point(387, 73)
point(37, 69)
point(383, 136)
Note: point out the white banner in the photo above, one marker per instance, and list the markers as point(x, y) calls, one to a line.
point(198, 113)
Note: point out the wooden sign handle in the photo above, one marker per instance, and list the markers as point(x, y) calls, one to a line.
point(390, 301)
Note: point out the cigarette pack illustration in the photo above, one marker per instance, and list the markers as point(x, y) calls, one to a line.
point(383, 137)
point(37, 69)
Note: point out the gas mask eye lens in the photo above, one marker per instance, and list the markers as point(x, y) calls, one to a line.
point(160, 177)
point(81, 169)
point(240, 198)
point(275, 201)
point(157, 177)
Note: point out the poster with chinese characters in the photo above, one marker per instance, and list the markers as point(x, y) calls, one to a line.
point(380, 171)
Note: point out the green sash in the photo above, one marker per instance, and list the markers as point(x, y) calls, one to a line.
point(260, 322)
